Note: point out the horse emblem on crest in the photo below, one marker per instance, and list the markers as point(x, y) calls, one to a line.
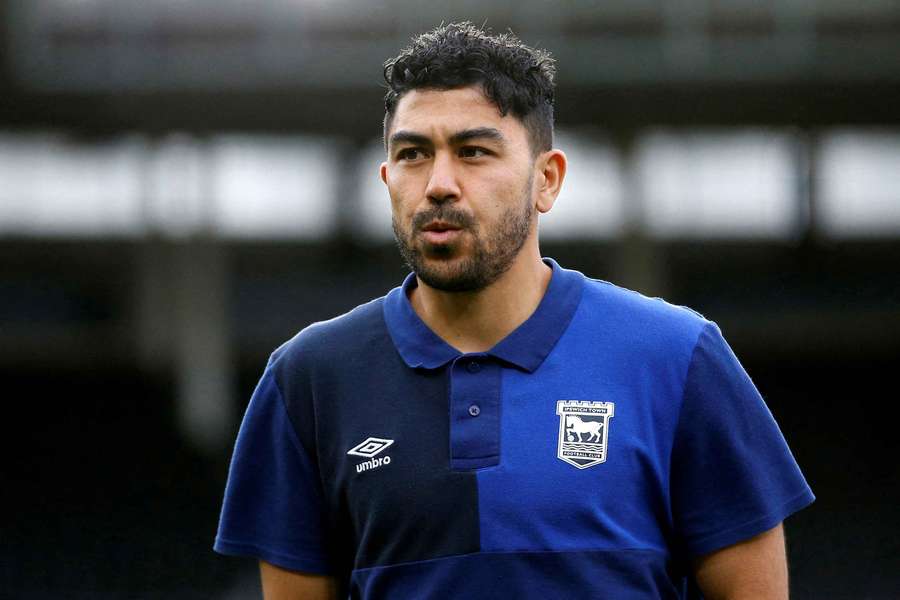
point(583, 429)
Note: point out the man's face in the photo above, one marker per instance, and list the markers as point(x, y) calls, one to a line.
point(460, 177)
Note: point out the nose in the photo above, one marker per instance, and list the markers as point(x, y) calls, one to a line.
point(443, 185)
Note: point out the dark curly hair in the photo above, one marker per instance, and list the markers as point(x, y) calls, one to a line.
point(515, 77)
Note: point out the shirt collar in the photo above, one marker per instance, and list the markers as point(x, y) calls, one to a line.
point(526, 347)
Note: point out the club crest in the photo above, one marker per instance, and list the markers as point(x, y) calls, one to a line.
point(583, 429)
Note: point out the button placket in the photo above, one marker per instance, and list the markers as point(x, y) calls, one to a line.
point(474, 412)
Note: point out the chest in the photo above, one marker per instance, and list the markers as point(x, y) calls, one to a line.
point(480, 456)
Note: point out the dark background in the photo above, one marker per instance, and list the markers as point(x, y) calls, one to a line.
point(110, 491)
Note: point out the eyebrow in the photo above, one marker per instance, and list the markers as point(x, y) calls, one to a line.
point(477, 133)
point(457, 138)
point(409, 137)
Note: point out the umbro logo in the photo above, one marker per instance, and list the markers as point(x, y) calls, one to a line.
point(369, 448)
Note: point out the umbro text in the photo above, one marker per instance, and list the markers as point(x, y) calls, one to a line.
point(373, 464)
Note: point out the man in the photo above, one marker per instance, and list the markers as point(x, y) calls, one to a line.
point(501, 427)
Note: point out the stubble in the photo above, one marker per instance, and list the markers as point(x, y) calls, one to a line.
point(492, 251)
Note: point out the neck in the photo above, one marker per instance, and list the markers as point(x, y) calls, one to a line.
point(476, 321)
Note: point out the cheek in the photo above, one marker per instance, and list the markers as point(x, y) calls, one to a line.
point(508, 192)
point(399, 197)
point(405, 193)
point(402, 207)
point(395, 191)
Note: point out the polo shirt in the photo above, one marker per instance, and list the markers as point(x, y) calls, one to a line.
point(593, 453)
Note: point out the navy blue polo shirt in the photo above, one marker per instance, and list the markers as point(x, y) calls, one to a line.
point(591, 453)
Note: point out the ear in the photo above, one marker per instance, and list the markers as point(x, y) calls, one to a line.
point(551, 170)
point(384, 172)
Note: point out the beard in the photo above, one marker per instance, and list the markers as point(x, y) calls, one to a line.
point(492, 252)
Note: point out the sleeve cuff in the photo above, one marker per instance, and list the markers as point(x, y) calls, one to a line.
point(721, 539)
point(305, 564)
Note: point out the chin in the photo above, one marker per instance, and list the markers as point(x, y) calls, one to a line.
point(457, 275)
point(440, 253)
point(456, 285)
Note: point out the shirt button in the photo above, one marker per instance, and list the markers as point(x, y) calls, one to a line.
point(474, 410)
point(473, 366)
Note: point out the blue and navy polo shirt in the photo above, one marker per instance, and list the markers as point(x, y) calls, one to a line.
point(591, 453)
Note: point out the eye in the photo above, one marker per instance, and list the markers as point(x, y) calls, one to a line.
point(472, 152)
point(410, 154)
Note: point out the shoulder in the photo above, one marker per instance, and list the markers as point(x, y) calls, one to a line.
point(351, 334)
point(639, 318)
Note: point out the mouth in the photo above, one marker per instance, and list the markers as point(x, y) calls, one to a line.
point(440, 227)
point(440, 232)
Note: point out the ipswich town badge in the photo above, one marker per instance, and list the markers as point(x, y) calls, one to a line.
point(583, 428)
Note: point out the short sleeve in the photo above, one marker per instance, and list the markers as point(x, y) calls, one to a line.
point(733, 475)
point(273, 507)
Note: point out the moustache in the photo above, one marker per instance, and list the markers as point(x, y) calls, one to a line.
point(446, 214)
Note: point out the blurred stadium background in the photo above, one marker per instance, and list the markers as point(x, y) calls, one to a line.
point(186, 183)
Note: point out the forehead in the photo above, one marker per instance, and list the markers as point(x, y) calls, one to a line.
point(437, 113)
